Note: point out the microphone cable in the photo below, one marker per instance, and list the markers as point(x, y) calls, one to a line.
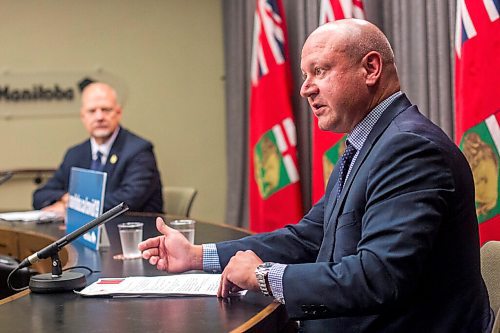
point(10, 285)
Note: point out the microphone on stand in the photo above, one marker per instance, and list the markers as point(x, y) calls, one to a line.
point(5, 176)
point(59, 281)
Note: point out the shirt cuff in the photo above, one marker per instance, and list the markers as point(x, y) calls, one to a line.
point(211, 262)
point(276, 281)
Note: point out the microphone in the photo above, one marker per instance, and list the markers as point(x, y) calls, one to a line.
point(58, 281)
point(5, 176)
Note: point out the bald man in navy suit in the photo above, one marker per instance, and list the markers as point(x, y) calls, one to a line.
point(393, 244)
point(128, 160)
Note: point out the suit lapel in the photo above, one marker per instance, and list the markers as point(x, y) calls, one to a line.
point(330, 195)
point(114, 152)
point(87, 152)
point(326, 251)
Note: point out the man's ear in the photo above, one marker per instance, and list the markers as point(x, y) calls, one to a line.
point(372, 63)
point(118, 110)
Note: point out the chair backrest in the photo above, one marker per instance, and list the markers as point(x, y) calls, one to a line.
point(496, 325)
point(178, 199)
point(490, 269)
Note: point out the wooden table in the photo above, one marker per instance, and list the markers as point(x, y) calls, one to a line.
point(69, 312)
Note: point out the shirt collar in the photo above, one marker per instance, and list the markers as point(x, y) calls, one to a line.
point(360, 133)
point(105, 147)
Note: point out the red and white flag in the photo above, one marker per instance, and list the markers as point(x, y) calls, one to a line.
point(275, 197)
point(327, 147)
point(477, 104)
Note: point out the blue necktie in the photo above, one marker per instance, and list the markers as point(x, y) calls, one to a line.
point(97, 164)
point(345, 162)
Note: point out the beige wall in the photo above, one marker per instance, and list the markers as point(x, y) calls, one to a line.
point(169, 53)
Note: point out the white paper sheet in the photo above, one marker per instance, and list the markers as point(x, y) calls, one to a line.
point(143, 286)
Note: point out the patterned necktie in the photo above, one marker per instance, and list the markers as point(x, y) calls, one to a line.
point(345, 162)
point(97, 163)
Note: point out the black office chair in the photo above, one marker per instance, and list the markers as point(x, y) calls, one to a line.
point(20, 279)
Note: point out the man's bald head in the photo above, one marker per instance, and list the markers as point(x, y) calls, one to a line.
point(99, 88)
point(356, 38)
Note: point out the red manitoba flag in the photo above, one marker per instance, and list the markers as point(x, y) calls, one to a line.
point(477, 102)
point(275, 198)
point(327, 147)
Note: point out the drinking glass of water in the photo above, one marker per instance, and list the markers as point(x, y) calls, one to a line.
point(130, 237)
point(186, 227)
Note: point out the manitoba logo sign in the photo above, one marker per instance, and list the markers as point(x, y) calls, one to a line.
point(49, 93)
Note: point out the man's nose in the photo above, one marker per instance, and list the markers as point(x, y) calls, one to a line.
point(308, 88)
point(99, 113)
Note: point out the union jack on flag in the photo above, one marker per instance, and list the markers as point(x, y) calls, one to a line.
point(465, 28)
point(332, 10)
point(269, 18)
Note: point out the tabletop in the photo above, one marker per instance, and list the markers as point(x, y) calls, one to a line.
point(69, 312)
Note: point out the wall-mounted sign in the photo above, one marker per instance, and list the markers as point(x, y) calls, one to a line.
point(50, 93)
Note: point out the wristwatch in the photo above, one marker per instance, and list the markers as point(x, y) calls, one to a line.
point(262, 274)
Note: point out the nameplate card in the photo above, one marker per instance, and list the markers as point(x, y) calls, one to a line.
point(85, 203)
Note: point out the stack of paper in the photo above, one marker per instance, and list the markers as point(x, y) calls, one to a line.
point(32, 215)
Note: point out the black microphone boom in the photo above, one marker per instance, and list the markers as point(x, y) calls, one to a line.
point(53, 248)
point(60, 281)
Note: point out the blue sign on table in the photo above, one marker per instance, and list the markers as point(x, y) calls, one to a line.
point(85, 203)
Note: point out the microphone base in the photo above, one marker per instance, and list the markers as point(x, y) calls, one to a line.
point(68, 281)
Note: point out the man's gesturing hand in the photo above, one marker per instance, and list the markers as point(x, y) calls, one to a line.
point(171, 252)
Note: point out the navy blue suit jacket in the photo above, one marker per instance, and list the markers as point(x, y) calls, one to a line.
point(398, 251)
point(134, 177)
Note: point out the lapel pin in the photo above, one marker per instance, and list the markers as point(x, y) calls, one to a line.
point(113, 159)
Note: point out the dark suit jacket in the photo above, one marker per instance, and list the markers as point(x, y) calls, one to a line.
point(133, 179)
point(399, 251)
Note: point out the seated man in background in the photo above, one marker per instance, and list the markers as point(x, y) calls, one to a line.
point(129, 161)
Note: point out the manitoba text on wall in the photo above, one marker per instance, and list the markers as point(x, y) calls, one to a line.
point(49, 93)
